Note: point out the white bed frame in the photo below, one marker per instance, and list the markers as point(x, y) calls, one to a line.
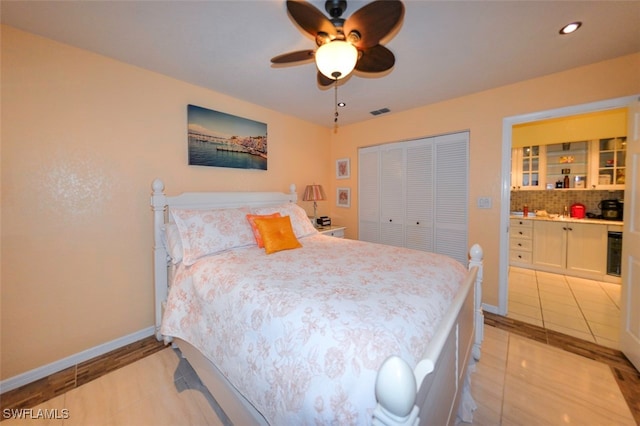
point(429, 394)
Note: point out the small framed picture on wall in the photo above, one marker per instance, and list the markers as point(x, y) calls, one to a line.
point(343, 197)
point(343, 168)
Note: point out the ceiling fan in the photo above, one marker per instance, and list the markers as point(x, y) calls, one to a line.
point(345, 44)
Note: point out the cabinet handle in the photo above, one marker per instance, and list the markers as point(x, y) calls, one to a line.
point(417, 223)
point(519, 244)
point(519, 256)
point(520, 232)
point(390, 220)
point(564, 228)
point(570, 229)
point(521, 223)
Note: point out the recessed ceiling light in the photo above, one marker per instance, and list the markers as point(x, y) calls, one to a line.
point(569, 28)
point(342, 104)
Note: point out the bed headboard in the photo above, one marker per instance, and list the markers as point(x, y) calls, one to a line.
point(162, 204)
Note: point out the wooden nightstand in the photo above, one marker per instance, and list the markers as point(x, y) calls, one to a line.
point(333, 231)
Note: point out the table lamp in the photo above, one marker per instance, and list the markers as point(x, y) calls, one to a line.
point(314, 193)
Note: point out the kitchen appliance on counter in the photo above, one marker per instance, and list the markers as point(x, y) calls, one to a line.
point(611, 209)
point(578, 210)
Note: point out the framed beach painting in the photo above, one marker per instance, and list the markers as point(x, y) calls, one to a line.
point(343, 197)
point(217, 139)
point(343, 168)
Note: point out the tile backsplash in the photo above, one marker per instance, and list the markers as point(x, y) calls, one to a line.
point(554, 201)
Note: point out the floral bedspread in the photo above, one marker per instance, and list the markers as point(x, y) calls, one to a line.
point(301, 333)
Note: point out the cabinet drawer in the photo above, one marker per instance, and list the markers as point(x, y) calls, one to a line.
point(338, 233)
point(521, 244)
point(521, 232)
point(522, 222)
point(519, 256)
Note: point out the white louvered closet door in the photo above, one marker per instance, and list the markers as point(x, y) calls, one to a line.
point(415, 194)
point(419, 233)
point(451, 195)
point(369, 194)
point(392, 208)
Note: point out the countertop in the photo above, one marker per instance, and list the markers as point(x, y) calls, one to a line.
point(571, 219)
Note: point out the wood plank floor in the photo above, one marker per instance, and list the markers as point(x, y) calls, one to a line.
point(65, 386)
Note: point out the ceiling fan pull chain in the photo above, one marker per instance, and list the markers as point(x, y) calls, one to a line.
point(335, 105)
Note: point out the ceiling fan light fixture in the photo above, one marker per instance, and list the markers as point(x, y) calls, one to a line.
point(336, 59)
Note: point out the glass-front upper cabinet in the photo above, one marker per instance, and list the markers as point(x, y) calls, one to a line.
point(527, 167)
point(567, 165)
point(608, 169)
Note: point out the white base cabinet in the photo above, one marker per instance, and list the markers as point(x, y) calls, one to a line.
point(520, 242)
point(587, 249)
point(578, 249)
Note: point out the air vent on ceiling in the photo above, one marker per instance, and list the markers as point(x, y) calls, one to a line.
point(380, 111)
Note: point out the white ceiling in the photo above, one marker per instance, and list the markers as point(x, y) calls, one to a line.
point(443, 49)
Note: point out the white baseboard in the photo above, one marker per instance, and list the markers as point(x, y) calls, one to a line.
point(49, 369)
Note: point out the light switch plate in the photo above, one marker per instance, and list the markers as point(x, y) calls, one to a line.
point(484, 202)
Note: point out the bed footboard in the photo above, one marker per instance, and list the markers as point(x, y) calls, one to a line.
point(431, 393)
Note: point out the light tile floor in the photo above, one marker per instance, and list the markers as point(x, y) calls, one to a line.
point(587, 309)
point(518, 381)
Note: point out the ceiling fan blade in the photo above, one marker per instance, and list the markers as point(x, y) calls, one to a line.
point(323, 80)
point(375, 59)
point(310, 19)
point(374, 21)
point(300, 55)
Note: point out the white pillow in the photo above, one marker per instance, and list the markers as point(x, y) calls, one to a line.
point(173, 242)
point(300, 222)
point(205, 232)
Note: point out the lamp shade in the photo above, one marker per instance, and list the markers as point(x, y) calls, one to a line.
point(314, 193)
point(336, 59)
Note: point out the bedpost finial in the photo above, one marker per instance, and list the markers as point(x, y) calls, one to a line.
point(396, 387)
point(157, 185)
point(476, 253)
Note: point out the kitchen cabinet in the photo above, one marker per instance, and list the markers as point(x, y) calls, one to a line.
point(572, 248)
point(520, 242)
point(608, 163)
point(587, 248)
point(550, 244)
point(415, 194)
point(594, 164)
point(527, 168)
point(569, 159)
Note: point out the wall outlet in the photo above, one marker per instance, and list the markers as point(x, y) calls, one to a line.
point(484, 202)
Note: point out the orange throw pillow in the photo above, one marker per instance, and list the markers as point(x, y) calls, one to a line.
point(277, 234)
point(252, 221)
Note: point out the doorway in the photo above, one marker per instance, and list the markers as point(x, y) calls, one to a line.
point(507, 126)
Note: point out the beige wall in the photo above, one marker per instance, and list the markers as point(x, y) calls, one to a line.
point(482, 114)
point(83, 136)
